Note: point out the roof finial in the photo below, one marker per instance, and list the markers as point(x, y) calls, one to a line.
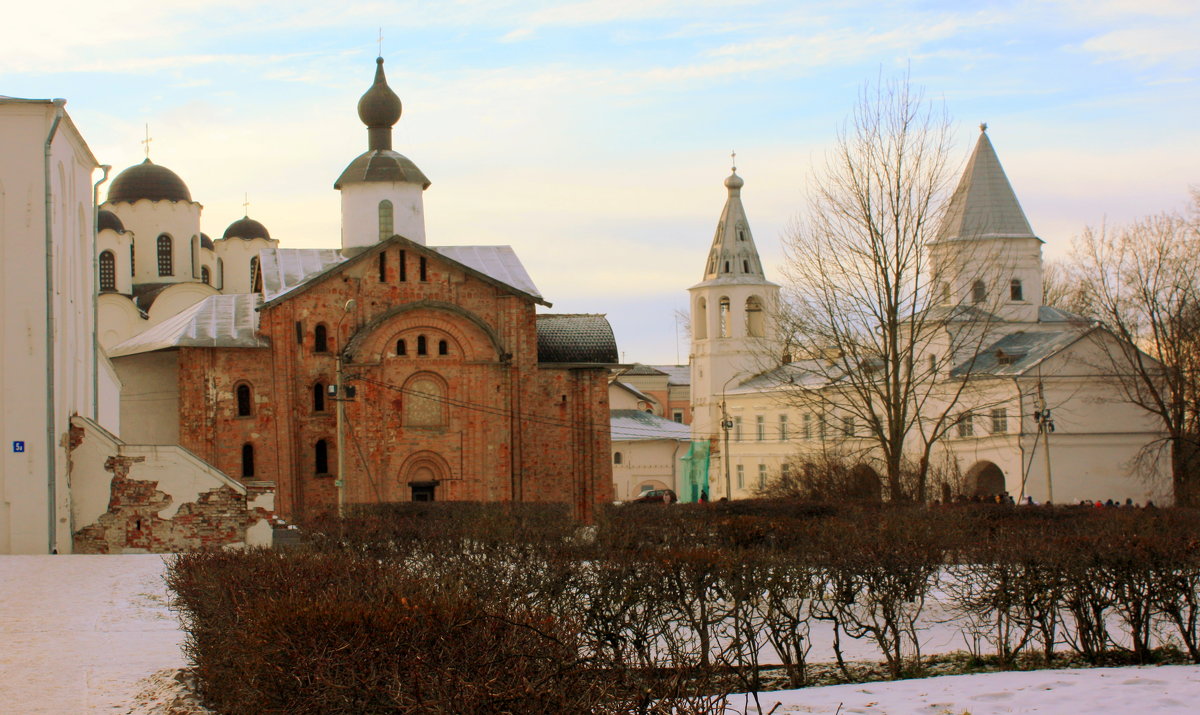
point(983, 126)
point(146, 142)
point(733, 160)
point(246, 205)
point(381, 42)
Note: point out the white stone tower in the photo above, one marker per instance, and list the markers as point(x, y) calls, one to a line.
point(381, 189)
point(986, 254)
point(733, 335)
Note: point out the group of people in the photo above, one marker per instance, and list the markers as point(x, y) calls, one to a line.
point(1006, 499)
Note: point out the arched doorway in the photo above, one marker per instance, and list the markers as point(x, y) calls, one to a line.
point(865, 484)
point(424, 473)
point(985, 479)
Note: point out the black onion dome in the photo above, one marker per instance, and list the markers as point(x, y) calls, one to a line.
point(379, 107)
point(106, 219)
point(148, 181)
point(246, 228)
point(381, 165)
point(206, 242)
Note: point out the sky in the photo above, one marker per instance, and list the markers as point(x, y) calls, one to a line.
point(593, 136)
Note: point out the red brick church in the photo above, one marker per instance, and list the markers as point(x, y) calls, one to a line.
point(453, 386)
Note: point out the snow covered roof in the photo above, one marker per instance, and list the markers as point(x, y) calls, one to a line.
point(676, 374)
point(284, 269)
point(637, 426)
point(984, 205)
point(219, 321)
point(498, 262)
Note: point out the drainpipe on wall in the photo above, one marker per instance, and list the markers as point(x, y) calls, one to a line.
point(51, 462)
point(96, 294)
point(1021, 437)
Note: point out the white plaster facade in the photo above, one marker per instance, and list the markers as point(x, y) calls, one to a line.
point(1102, 447)
point(47, 321)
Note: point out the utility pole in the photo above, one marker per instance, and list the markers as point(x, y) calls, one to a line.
point(726, 425)
point(340, 398)
point(1045, 425)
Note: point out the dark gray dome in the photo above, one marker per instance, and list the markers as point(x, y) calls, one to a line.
point(148, 181)
point(106, 219)
point(381, 165)
point(379, 108)
point(246, 228)
point(206, 242)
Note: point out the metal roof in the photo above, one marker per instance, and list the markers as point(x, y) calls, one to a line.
point(639, 426)
point(497, 262)
point(634, 391)
point(1016, 353)
point(219, 321)
point(984, 204)
point(284, 269)
point(575, 338)
point(676, 374)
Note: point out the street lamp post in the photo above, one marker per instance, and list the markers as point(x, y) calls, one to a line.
point(726, 425)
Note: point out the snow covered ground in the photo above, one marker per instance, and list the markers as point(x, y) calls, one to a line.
point(93, 634)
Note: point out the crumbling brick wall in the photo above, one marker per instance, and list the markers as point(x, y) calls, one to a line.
point(217, 518)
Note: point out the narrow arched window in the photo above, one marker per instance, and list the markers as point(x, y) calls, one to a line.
point(318, 397)
point(422, 269)
point(132, 257)
point(321, 457)
point(108, 271)
point(220, 274)
point(741, 235)
point(401, 347)
point(1015, 290)
point(383, 267)
point(205, 275)
point(254, 283)
point(166, 261)
point(617, 457)
point(726, 264)
point(247, 460)
point(978, 292)
point(443, 347)
point(421, 349)
point(320, 339)
point(245, 400)
point(745, 266)
point(754, 317)
point(724, 318)
point(385, 220)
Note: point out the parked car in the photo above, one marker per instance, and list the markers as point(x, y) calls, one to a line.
point(657, 496)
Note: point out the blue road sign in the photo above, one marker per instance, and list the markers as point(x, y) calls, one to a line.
point(18, 446)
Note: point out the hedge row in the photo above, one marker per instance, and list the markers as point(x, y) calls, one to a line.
point(515, 608)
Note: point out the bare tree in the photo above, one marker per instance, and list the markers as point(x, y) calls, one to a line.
point(871, 326)
point(1143, 282)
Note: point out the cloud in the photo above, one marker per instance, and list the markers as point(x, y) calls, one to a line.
point(1171, 44)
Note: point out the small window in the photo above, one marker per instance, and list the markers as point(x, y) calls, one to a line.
point(760, 428)
point(320, 339)
point(978, 292)
point(321, 457)
point(783, 428)
point(205, 275)
point(678, 416)
point(108, 271)
point(403, 266)
point(422, 269)
point(724, 317)
point(726, 267)
point(132, 256)
point(1015, 290)
point(737, 429)
point(741, 476)
point(808, 426)
point(386, 214)
point(443, 347)
point(848, 426)
point(966, 425)
point(166, 261)
point(318, 400)
point(617, 458)
point(299, 332)
point(245, 400)
point(999, 420)
point(745, 266)
point(247, 460)
point(221, 274)
point(421, 349)
point(401, 347)
point(383, 267)
point(254, 277)
point(741, 235)
point(762, 476)
point(932, 365)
